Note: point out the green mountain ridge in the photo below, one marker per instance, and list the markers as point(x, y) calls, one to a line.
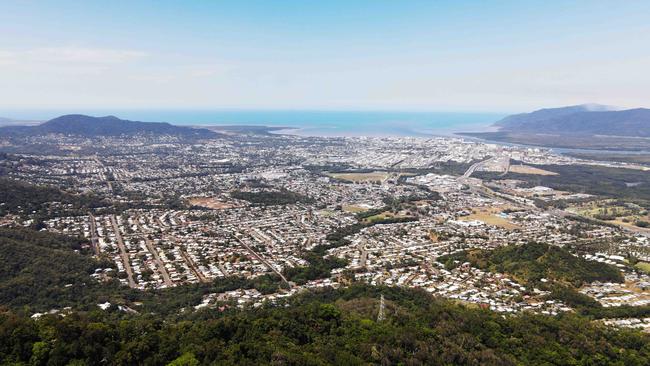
point(88, 126)
point(580, 120)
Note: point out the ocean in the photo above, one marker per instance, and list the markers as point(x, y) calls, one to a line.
point(308, 123)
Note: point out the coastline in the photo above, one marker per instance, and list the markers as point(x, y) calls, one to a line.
point(561, 148)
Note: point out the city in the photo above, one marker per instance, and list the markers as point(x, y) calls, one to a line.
point(253, 205)
point(312, 183)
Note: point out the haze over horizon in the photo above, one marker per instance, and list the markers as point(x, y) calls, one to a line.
point(500, 57)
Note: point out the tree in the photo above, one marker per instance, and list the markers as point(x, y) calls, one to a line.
point(186, 359)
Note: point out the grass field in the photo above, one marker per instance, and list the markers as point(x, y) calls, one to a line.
point(644, 266)
point(382, 216)
point(361, 177)
point(209, 202)
point(594, 210)
point(353, 208)
point(525, 169)
point(489, 215)
point(622, 215)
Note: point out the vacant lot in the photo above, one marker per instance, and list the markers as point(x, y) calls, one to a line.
point(525, 169)
point(361, 177)
point(210, 202)
point(630, 185)
point(383, 216)
point(353, 208)
point(490, 216)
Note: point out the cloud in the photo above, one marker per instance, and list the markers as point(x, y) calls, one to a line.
point(71, 55)
point(7, 57)
point(84, 55)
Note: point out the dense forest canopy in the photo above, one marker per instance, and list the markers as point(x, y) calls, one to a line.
point(590, 179)
point(331, 327)
point(268, 198)
point(533, 262)
point(24, 198)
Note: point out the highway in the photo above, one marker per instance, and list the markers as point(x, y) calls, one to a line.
point(504, 160)
point(473, 167)
point(123, 252)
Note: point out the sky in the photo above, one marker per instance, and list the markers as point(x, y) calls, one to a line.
point(469, 56)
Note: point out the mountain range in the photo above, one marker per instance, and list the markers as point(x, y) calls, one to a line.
point(588, 119)
point(88, 126)
point(587, 126)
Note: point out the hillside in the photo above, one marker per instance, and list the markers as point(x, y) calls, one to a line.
point(331, 327)
point(584, 126)
point(23, 198)
point(42, 270)
point(88, 126)
point(579, 120)
point(532, 262)
point(544, 114)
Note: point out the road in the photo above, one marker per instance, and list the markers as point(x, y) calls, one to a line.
point(123, 252)
point(506, 169)
point(505, 162)
point(190, 263)
point(267, 264)
point(159, 263)
point(93, 234)
point(473, 167)
point(364, 256)
point(222, 269)
point(108, 182)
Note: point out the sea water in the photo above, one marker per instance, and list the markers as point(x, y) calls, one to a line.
point(311, 123)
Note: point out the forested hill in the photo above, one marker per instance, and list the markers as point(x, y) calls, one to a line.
point(581, 120)
point(22, 198)
point(41, 271)
point(82, 125)
point(330, 327)
point(543, 114)
point(532, 262)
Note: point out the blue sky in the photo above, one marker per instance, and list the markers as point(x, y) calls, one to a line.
point(501, 56)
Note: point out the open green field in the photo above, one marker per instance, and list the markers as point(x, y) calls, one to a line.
point(489, 215)
point(594, 210)
point(613, 211)
point(353, 208)
point(643, 266)
point(361, 177)
point(382, 216)
point(627, 185)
